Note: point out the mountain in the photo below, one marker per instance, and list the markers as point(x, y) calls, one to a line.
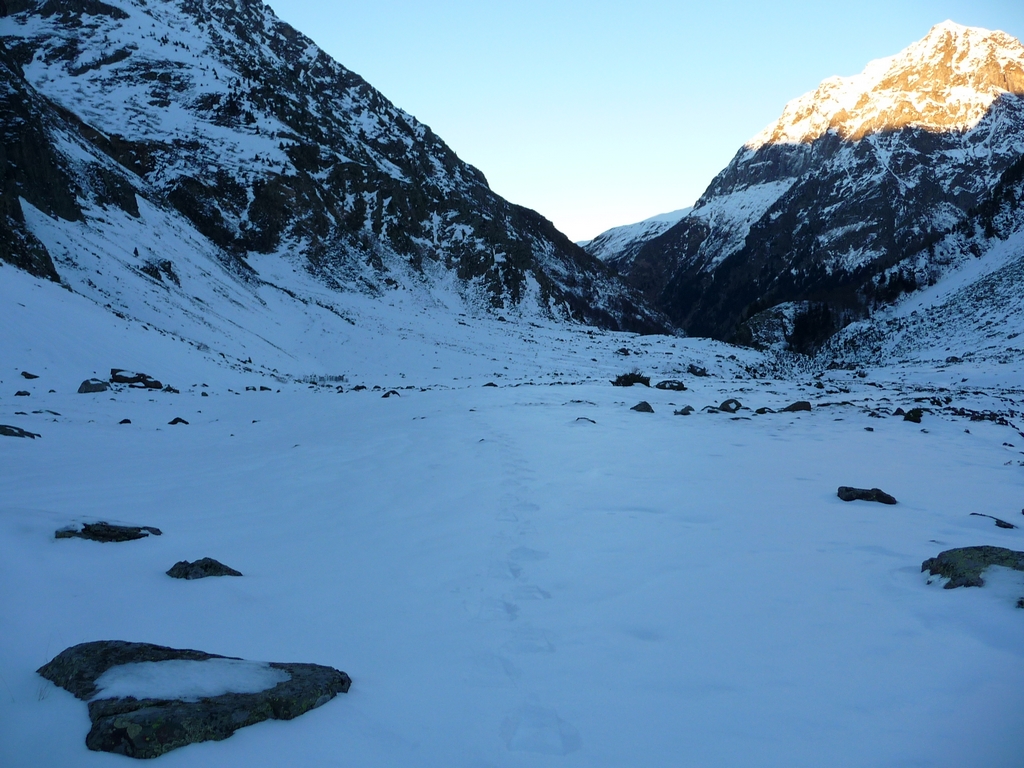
point(972, 313)
point(618, 245)
point(227, 127)
point(840, 206)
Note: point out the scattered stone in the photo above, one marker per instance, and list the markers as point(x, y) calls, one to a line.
point(963, 567)
point(490, 384)
point(171, 390)
point(696, 370)
point(22, 393)
point(731, 405)
point(999, 523)
point(622, 351)
point(799, 405)
point(390, 393)
point(108, 532)
point(147, 728)
point(869, 429)
point(265, 389)
point(642, 407)
point(763, 411)
point(358, 388)
point(200, 569)
point(584, 418)
point(133, 378)
point(204, 394)
point(913, 415)
point(178, 420)
point(125, 421)
point(686, 410)
point(9, 431)
point(93, 385)
point(27, 375)
point(899, 412)
point(865, 494)
point(673, 385)
point(952, 359)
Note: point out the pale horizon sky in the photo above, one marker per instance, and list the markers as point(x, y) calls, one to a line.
point(598, 113)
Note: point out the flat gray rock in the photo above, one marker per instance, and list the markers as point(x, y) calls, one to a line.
point(200, 569)
point(147, 725)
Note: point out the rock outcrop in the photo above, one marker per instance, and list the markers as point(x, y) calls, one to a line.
point(964, 566)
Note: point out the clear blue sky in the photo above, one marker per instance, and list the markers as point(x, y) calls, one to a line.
point(601, 113)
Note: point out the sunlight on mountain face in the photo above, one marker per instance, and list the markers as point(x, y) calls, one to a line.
point(946, 82)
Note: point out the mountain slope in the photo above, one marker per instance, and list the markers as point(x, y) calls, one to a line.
point(853, 182)
point(223, 114)
point(619, 244)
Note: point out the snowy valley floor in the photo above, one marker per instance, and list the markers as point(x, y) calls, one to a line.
point(527, 574)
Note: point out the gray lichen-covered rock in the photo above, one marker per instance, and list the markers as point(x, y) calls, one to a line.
point(963, 567)
point(90, 386)
point(106, 532)
point(147, 728)
point(200, 569)
point(865, 494)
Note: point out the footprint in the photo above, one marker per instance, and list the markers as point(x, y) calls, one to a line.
point(539, 730)
point(530, 640)
point(498, 608)
point(525, 554)
point(531, 593)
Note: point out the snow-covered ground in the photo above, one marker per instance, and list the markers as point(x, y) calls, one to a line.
point(530, 574)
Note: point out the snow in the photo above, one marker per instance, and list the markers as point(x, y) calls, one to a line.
point(506, 582)
point(187, 680)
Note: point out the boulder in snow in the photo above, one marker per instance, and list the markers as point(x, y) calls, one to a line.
point(865, 494)
point(106, 532)
point(799, 405)
point(146, 700)
point(132, 378)
point(90, 386)
point(200, 569)
point(8, 431)
point(643, 407)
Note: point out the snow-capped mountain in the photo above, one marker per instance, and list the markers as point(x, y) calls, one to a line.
point(842, 205)
point(619, 244)
point(226, 126)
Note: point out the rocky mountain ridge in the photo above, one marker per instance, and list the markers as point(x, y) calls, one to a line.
point(222, 115)
point(839, 207)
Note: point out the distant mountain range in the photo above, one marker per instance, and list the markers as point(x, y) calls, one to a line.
point(214, 121)
point(864, 190)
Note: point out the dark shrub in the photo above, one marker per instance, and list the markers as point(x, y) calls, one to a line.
point(635, 376)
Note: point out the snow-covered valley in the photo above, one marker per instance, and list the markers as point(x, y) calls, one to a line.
point(520, 575)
